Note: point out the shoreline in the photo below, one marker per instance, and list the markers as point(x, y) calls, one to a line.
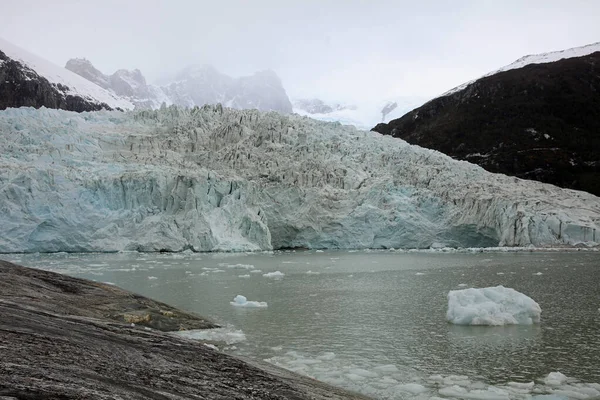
point(65, 337)
point(459, 250)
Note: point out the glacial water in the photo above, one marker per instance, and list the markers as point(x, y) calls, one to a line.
point(375, 321)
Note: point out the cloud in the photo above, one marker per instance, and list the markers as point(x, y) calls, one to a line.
point(336, 49)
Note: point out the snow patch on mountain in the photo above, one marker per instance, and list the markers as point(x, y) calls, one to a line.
point(213, 178)
point(66, 81)
point(535, 59)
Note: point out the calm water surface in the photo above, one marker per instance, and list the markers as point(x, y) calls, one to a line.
point(374, 308)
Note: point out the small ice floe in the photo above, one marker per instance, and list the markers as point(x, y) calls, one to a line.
point(539, 273)
point(274, 275)
point(491, 306)
point(256, 271)
point(244, 276)
point(229, 335)
point(240, 266)
point(312, 273)
point(420, 273)
point(152, 278)
point(462, 285)
point(242, 301)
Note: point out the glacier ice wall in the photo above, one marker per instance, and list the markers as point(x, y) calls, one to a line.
point(213, 178)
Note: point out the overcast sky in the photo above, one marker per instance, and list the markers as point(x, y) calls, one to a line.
point(338, 49)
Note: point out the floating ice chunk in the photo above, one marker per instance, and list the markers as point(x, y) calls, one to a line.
point(522, 385)
point(555, 379)
point(492, 393)
point(327, 356)
point(364, 373)
point(240, 266)
point(413, 388)
point(319, 251)
point(256, 271)
point(491, 306)
point(539, 273)
point(212, 346)
point(312, 273)
point(228, 335)
point(274, 275)
point(152, 277)
point(462, 285)
point(244, 276)
point(242, 301)
point(390, 368)
point(420, 273)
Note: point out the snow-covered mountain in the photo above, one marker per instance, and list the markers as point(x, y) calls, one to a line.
point(363, 115)
point(537, 118)
point(29, 80)
point(130, 85)
point(195, 85)
point(216, 178)
point(541, 58)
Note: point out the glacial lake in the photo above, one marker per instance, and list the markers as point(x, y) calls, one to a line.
point(372, 321)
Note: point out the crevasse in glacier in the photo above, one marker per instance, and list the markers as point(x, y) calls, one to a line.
point(213, 178)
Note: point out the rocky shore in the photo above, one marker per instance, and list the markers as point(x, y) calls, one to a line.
point(69, 338)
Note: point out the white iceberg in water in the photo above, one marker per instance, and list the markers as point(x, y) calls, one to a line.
point(242, 301)
point(274, 275)
point(491, 306)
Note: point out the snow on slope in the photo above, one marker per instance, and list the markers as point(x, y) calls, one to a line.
point(223, 179)
point(77, 86)
point(536, 59)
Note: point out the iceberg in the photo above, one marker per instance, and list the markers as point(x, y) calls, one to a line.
point(491, 306)
point(274, 275)
point(218, 179)
point(242, 301)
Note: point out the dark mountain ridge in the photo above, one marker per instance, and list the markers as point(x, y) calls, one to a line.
point(540, 121)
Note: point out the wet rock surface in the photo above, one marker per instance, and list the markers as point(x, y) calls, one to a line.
point(64, 338)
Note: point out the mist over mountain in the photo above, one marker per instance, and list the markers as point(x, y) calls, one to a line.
point(195, 85)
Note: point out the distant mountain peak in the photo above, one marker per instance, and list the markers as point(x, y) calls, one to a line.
point(194, 85)
point(29, 80)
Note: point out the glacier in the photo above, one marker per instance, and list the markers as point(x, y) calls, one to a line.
point(218, 179)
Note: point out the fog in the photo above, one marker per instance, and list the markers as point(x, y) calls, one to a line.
point(338, 49)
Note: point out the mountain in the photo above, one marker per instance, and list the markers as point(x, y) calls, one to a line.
point(130, 85)
point(29, 80)
point(216, 178)
point(363, 115)
point(195, 85)
point(537, 118)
